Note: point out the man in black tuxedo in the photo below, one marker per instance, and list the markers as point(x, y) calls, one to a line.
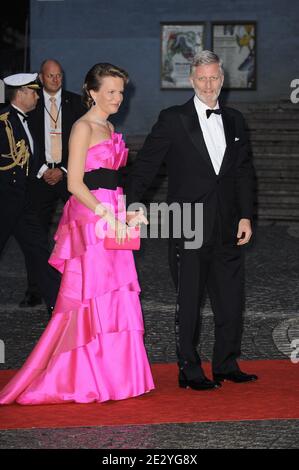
point(208, 161)
point(18, 166)
point(51, 121)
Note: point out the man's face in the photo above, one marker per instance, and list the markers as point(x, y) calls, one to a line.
point(207, 81)
point(51, 77)
point(27, 99)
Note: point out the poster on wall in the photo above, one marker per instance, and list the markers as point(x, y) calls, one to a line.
point(235, 44)
point(179, 43)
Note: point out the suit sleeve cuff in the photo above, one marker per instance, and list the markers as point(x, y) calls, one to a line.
point(41, 171)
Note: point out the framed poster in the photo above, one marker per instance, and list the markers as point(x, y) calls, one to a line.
point(235, 43)
point(179, 43)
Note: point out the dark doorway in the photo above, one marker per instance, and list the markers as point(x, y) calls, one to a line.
point(14, 37)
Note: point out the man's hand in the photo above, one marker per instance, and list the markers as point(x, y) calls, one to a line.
point(136, 218)
point(244, 230)
point(53, 175)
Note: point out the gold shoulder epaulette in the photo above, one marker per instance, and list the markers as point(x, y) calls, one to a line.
point(19, 152)
point(4, 116)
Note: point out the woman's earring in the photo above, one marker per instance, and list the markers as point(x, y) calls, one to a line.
point(93, 101)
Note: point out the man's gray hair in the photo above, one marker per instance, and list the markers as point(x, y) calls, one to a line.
point(206, 58)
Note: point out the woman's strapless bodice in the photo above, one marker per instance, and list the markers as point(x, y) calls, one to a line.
point(110, 153)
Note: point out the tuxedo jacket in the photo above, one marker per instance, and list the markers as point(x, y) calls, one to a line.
point(71, 109)
point(17, 175)
point(177, 140)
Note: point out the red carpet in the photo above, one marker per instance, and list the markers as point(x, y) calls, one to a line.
point(273, 396)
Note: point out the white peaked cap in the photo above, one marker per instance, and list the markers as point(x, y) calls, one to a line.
point(22, 79)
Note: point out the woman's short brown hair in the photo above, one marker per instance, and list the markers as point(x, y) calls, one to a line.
point(95, 75)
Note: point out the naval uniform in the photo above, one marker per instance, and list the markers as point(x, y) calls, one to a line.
point(18, 218)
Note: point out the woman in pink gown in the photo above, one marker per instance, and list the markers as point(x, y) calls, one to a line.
point(92, 349)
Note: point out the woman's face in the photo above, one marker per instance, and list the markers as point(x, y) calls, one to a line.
point(110, 94)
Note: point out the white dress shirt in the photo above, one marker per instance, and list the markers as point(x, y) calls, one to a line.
point(26, 128)
point(213, 133)
point(48, 129)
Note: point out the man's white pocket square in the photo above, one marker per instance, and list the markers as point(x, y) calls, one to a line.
point(236, 139)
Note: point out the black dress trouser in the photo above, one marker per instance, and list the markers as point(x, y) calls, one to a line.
point(44, 199)
point(20, 220)
point(220, 269)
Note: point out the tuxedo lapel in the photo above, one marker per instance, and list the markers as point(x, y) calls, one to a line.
point(66, 119)
point(36, 124)
point(191, 123)
point(64, 107)
point(229, 131)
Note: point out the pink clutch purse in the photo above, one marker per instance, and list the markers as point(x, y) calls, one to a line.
point(133, 243)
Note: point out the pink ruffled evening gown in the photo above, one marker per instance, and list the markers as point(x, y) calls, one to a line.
point(92, 349)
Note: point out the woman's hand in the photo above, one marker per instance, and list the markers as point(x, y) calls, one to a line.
point(120, 229)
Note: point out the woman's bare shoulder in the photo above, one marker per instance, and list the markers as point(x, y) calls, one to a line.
point(82, 126)
point(82, 123)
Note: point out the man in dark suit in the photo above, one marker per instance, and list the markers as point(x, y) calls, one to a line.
point(208, 161)
point(17, 166)
point(51, 121)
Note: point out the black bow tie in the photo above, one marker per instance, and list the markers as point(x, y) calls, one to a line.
point(210, 111)
point(24, 116)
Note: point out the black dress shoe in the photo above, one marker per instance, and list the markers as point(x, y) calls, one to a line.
point(237, 376)
point(30, 300)
point(197, 384)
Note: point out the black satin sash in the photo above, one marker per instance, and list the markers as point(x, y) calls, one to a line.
point(103, 178)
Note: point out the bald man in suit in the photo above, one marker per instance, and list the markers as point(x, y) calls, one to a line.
point(50, 183)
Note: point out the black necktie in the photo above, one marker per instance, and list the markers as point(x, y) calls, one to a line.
point(24, 116)
point(210, 111)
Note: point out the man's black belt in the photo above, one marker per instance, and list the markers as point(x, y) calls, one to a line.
point(53, 165)
point(103, 178)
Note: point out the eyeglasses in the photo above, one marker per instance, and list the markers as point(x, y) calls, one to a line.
point(54, 75)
